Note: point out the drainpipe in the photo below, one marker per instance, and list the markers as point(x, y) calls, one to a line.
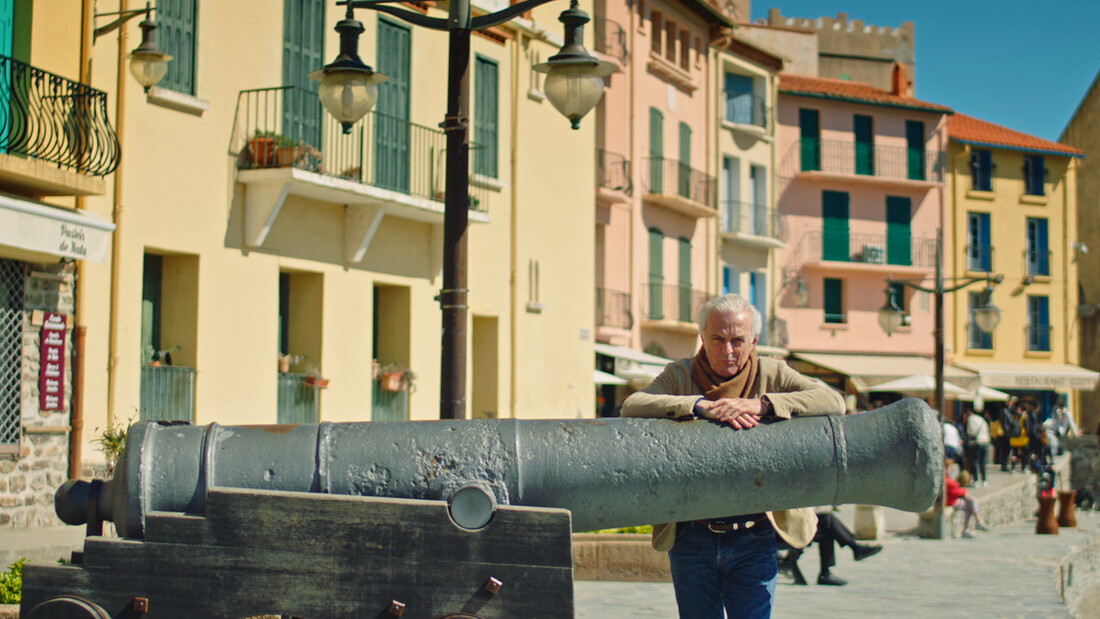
point(513, 276)
point(1067, 317)
point(116, 236)
point(954, 237)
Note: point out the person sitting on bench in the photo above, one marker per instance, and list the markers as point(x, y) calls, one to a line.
point(830, 531)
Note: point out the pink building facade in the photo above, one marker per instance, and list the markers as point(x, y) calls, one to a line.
point(861, 189)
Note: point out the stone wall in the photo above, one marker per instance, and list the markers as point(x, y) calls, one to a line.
point(28, 479)
point(1086, 463)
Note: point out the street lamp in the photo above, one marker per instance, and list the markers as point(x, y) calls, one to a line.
point(148, 64)
point(574, 85)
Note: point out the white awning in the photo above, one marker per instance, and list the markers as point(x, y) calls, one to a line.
point(918, 384)
point(1035, 376)
point(603, 378)
point(53, 230)
point(633, 364)
point(989, 394)
point(868, 371)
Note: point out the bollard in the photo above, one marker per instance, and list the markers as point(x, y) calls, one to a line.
point(607, 472)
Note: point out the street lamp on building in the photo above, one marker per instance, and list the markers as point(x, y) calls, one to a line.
point(349, 89)
point(148, 64)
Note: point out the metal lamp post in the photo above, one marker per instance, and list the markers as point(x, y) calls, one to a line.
point(574, 85)
point(148, 64)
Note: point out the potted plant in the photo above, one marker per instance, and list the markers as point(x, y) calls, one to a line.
point(285, 361)
point(395, 378)
point(275, 150)
point(262, 149)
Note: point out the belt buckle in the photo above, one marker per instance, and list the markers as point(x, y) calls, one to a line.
point(710, 525)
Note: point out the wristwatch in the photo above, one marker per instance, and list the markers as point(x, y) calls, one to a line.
point(766, 408)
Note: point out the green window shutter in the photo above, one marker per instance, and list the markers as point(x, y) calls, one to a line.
point(685, 279)
point(685, 161)
point(834, 301)
point(486, 111)
point(914, 137)
point(656, 150)
point(834, 234)
point(284, 313)
point(391, 122)
point(809, 126)
point(898, 233)
point(863, 127)
point(656, 273)
point(176, 21)
point(303, 44)
point(152, 278)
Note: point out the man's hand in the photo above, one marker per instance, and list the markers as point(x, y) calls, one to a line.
point(739, 413)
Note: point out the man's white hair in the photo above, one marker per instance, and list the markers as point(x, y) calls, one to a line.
point(729, 304)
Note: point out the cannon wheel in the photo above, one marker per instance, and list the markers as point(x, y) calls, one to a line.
point(68, 607)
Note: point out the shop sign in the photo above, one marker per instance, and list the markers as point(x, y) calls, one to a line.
point(51, 370)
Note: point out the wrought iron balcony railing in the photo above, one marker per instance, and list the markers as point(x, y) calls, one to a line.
point(1038, 338)
point(388, 405)
point(888, 249)
point(1038, 262)
point(755, 219)
point(613, 309)
point(842, 157)
point(167, 393)
point(745, 108)
point(670, 176)
point(610, 38)
point(614, 171)
point(286, 126)
point(979, 258)
point(672, 302)
point(48, 117)
point(297, 402)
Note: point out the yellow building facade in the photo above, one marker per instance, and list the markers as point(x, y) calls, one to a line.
point(1012, 213)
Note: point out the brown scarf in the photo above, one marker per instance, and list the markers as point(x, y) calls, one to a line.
point(715, 386)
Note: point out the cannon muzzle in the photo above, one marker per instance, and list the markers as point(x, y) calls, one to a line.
point(607, 472)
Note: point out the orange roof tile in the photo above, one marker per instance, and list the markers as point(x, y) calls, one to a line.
point(970, 130)
point(857, 92)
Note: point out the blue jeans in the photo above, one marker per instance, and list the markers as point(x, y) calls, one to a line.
point(732, 570)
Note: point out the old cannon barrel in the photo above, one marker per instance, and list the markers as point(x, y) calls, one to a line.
point(608, 472)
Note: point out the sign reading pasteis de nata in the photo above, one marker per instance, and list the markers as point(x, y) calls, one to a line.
point(53, 230)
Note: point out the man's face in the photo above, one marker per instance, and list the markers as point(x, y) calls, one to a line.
point(728, 340)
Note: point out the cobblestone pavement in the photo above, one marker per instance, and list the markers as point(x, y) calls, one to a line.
point(1008, 572)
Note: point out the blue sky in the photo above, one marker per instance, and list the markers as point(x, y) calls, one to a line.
point(1024, 65)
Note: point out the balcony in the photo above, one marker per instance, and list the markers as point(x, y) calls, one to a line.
point(298, 402)
point(287, 145)
point(55, 138)
point(837, 159)
point(167, 393)
point(613, 309)
point(672, 305)
point(388, 405)
point(610, 39)
point(753, 224)
point(745, 110)
point(613, 174)
point(887, 253)
point(679, 187)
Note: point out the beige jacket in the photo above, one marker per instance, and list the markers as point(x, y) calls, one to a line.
point(673, 395)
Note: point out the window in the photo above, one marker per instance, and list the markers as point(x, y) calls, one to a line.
point(899, 236)
point(685, 162)
point(656, 150)
point(914, 137)
point(486, 110)
point(670, 40)
point(863, 128)
point(979, 253)
point(656, 273)
point(152, 277)
point(176, 20)
point(12, 275)
point(981, 169)
point(303, 44)
point(758, 224)
point(392, 131)
point(809, 126)
point(758, 296)
point(1035, 174)
point(1038, 252)
point(834, 301)
point(685, 280)
point(976, 338)
point(657, 32)
point(731, 194)
point(739, 100)
point(897, 294)
point(834, 226)
point(1038, 324)
point(731, 280)
point(685, 50)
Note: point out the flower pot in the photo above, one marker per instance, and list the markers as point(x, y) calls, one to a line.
point(263, 152)
point(392, 381)
point(316, 382)
point(287, 155)
point(284, 364)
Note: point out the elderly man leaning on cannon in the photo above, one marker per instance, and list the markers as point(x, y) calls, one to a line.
point(730, 562)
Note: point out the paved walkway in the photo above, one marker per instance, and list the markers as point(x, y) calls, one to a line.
point(1008, 572)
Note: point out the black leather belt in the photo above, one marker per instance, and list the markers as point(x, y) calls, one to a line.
point(731, 527)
